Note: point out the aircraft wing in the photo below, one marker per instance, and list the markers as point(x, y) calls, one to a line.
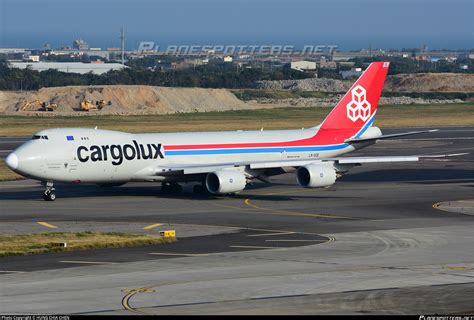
point(201, 169)
point(349, 160)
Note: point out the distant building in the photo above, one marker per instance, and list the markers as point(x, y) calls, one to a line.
point(14, 53)
point(34, 58)
point(349, 74)
point(349, 64)
point(324, 64)
point(471, 56)
point(12, 50)
point(345, 56)
point(70, 67)
point(106, 54)
point(80, 44)
point(303, 65)
point(228, 59)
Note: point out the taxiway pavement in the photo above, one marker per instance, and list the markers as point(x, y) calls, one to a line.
point(375, 242)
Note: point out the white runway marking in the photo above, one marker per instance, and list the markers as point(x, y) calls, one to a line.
point(285, 240)
point(179, 254)
point(86, 262)
point(251, 247)
point(270, 234)
point(426, 139)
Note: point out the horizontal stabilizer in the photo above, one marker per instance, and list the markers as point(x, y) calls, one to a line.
point(388, 136)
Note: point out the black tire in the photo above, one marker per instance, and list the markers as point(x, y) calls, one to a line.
point(166, 188)
point(201, 190)
point(177, 188)
point(198, 189)
point(49, 196)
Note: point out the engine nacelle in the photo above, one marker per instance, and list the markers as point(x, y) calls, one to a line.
point(316, 175)
point(225, 181)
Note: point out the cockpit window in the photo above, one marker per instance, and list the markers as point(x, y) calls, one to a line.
point(36, 137)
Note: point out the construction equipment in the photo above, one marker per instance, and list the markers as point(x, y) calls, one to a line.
point(43, 106)
point(46, 106)
point(28, 104)
point(100, 104)
point(87, 105)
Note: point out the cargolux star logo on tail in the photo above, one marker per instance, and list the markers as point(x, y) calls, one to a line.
point(359, 107)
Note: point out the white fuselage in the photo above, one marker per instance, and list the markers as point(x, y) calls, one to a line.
point(103, 156)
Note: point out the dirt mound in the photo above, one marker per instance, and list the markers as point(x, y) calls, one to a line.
point(312, 84)
point(122, 100)
point(7, 98)
point(418, 82)
point(431, 82)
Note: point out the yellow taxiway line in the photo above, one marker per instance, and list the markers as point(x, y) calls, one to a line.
point(293, 213)
point(47, 225)
point(151, 226)
point(130, 294)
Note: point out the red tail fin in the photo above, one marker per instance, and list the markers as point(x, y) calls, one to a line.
point(359, 104)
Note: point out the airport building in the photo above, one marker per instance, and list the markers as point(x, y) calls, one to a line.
point(303, 65)
point(70, 67)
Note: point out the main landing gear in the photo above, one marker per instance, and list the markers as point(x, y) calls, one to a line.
point(49, 193)
point(171, 188)
point(200, 189)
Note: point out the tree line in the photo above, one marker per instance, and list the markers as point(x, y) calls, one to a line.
point(212, 75)
point(206, 76)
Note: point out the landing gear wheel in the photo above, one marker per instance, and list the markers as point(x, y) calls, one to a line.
point(49, 194)
point(200, 189)
point(171, 188)
point(177, 188)
point(197, 189)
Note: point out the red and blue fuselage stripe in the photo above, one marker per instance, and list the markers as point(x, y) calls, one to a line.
point(303, 145)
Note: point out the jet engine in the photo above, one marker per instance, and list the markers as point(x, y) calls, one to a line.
point(316, 175)
point(225, 181)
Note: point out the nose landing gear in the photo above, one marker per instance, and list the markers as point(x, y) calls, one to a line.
point(49, 193)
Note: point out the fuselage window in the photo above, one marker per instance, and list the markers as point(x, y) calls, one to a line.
point(36, 137)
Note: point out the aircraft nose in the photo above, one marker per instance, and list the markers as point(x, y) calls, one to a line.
point(12, 161)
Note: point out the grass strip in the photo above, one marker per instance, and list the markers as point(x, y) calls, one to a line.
point(24, 244)
point(389, 116)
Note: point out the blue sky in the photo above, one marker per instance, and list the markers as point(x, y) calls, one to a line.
point(350, 24)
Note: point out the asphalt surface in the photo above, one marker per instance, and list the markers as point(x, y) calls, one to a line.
point(375, 242)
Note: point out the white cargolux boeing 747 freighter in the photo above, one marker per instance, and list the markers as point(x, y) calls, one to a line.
point(221, 162)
